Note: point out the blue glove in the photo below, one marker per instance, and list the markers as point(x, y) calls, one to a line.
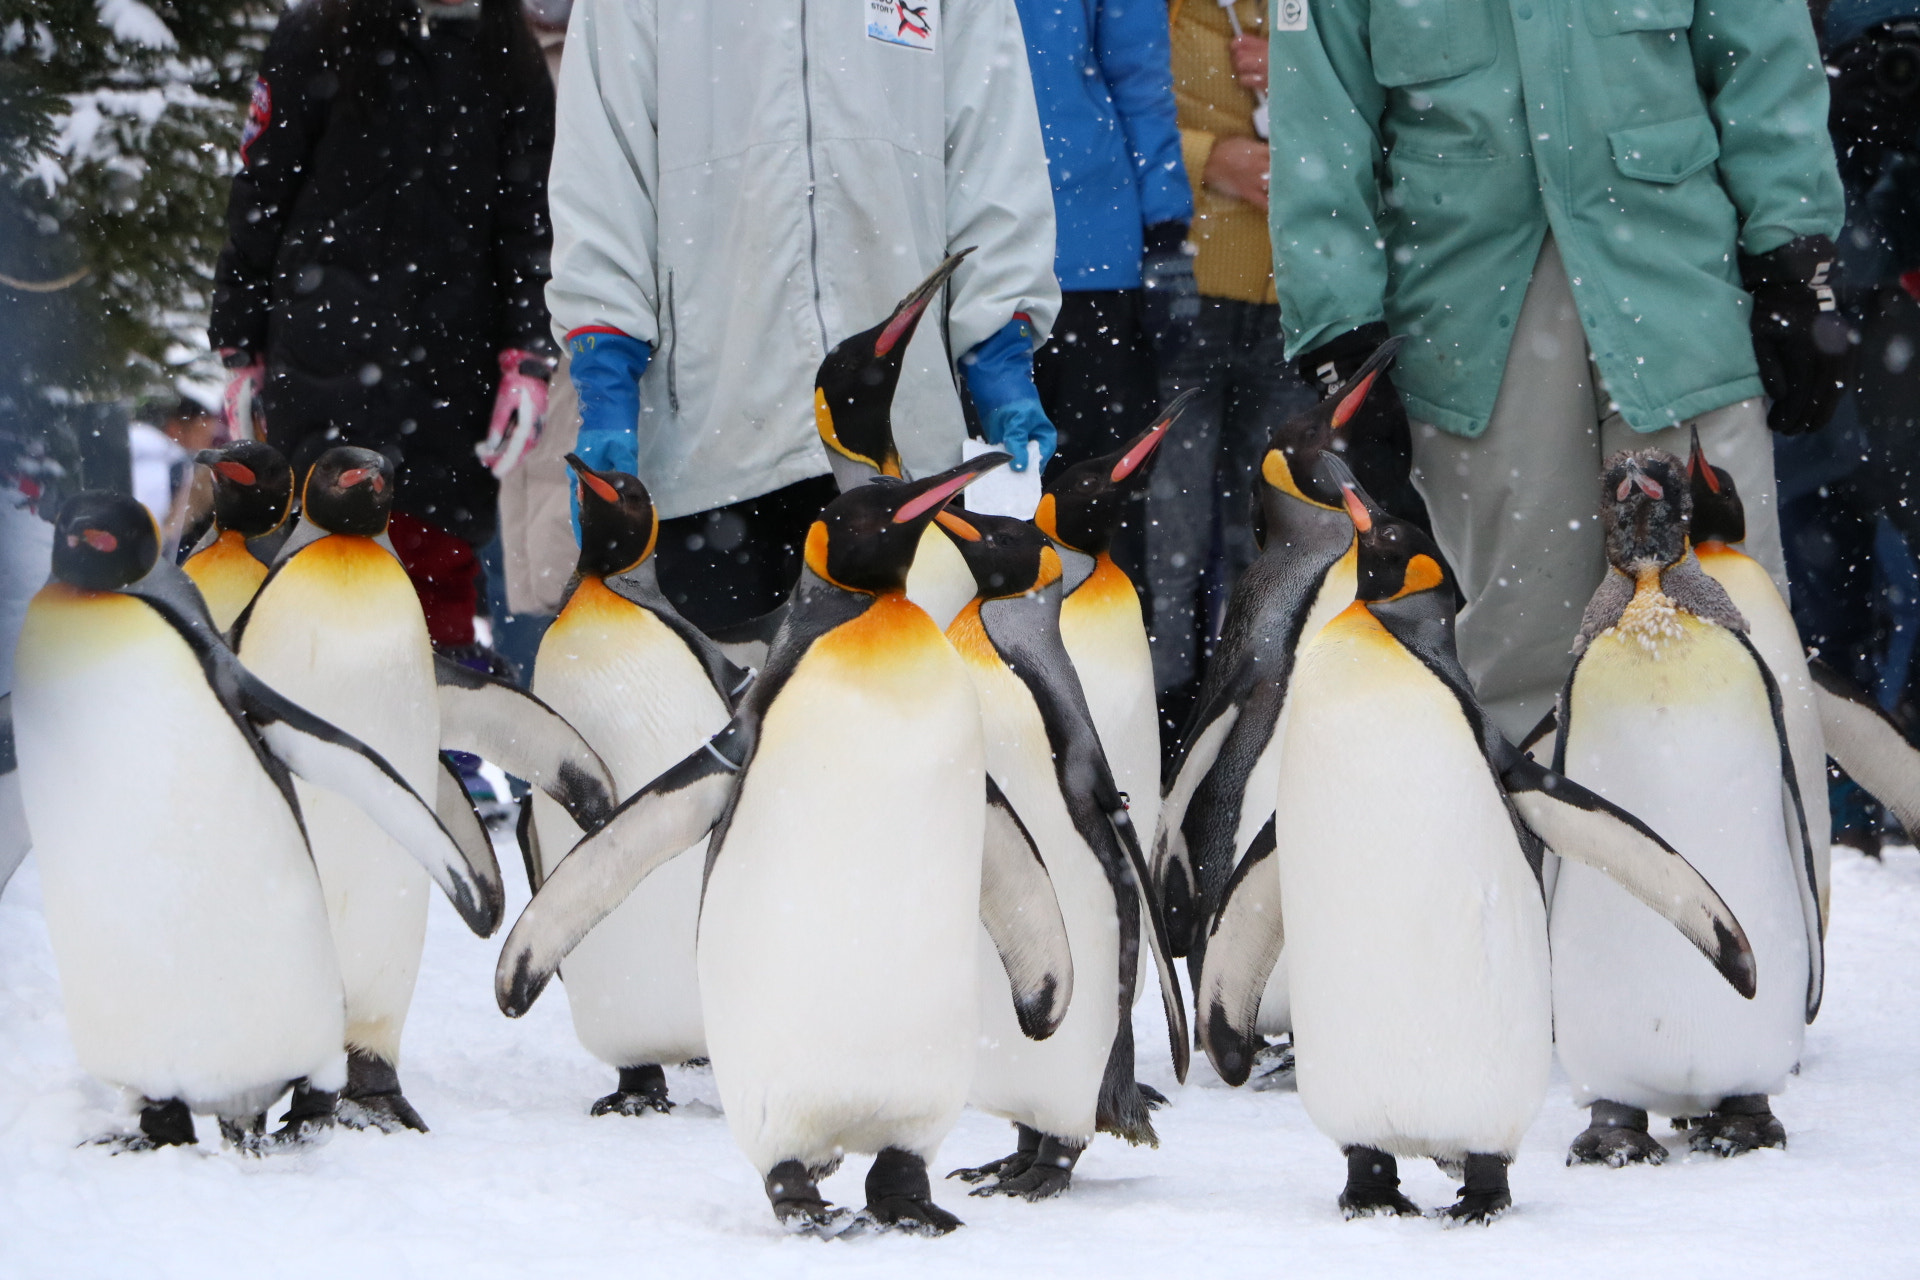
point(999, 375)
point(606, 368)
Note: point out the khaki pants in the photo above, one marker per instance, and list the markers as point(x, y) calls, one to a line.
point(537, 547)
point(1517, 509)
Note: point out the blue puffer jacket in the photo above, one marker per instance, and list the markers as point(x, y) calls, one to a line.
point(1102, 77)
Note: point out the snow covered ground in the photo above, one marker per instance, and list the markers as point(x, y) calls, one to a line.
point(516, 1179)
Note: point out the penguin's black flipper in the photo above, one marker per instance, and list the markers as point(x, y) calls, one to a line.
point(454, 807)
point(730, 671)
point(1868, 744)
point(503, 723)
point(1242, 949)
point(1583, 827)
point(527, 836)
point(1022, 916)
point(1175, 882)
point(660, 821)
point(14, 838)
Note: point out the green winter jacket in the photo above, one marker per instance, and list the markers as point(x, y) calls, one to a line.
point(1423, 148)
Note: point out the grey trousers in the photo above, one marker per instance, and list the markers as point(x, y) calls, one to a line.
point(1516, 509)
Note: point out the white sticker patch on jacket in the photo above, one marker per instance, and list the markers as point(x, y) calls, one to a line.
point(1290, 15)
point(908, 23)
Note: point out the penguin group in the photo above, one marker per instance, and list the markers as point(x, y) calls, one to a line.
point(904, 845)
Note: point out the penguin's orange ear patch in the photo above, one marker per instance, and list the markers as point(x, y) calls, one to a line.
point(1423, 574)
point(600, 488)
point(237, 472)
point(1045, 518)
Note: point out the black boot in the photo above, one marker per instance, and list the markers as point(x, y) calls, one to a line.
point(899, 1195)
point(797, 1203)
point(1616, 1136)
point(1485, 1195)
point(1742, 1123)
point(642, 1089)
point(1026, 1148)
point(372, 1099)
point(1373, 1185)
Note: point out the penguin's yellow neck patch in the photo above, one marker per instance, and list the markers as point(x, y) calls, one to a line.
point(968, 634)
point(892, 639)
point(227, 575)
point(593, 604)
point(1651, 619)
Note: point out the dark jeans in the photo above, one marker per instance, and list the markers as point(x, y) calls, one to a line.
point(1200, 502)
point(736, 562)
point(1096, 382)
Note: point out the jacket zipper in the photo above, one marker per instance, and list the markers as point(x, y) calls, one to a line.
point(813, 182)
point(673, 350)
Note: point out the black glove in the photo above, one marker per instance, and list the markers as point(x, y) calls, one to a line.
point(1169, 298)
point(1379, 446)
point(1800, 336)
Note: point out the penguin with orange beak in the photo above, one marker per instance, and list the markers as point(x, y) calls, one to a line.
point(1408, 897)
point(252, 503)
point(1044, 755)
point(853, 842)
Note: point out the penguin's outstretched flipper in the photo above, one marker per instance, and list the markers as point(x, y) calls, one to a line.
point(327, 757)
point(1242, 949)
point(500, 722)
point(1866, 742)
point(1581, 826)
point(662, 819)
point(454, 807)
point(14, 838)
point(1022, 916)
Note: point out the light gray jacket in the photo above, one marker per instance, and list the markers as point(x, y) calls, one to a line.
point(742, 185)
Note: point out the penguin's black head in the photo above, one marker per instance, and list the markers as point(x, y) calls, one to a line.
point(1008, 557)
point(1645, 507)
point(1718, 513)
point(853, 388)
point(103, 541)
point(1291, 465)
point(1396, 559)
point(864, 541)
point(349, 490)
point(618, 523)
point(1082, 506)
point(252, 487)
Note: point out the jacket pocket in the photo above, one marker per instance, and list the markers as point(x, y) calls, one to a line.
point(1666, 153)
point(673, 351)
point(1616, 17)
point(1420, 40)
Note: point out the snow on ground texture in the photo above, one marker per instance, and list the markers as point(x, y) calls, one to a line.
point(517, 1180)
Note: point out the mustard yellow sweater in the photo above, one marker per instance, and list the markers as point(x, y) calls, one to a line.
point(1236, 256)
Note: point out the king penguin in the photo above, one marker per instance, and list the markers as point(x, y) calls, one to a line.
point(1045, 757)
point(1406, 866)
point(1672, 710)
point(187, 919)
point(252, 499)
point(855, 839)
point(644, 687)
point(337, 627)
point(1220, 794)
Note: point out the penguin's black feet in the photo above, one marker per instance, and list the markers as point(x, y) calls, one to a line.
point(1151, 1096)
point(1616, 1136)
point(1373, 1186)
point(308, 1120)
point(1277, 1059)
point(1485, 1195)
point(162, 1124)
point(642, 1090)
point(899, 1197)
point(1738, 1125)
point(1006, 1167)
point(372, 1099)
point(1047, 1174)
point(798, 1205)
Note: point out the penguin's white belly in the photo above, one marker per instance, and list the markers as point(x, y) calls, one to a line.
point(1772, 630)
point(1686, 743)
point(339, 631)
point(939, 580)
point(1416, 938)
point(642, 701)
point(837, 938)
point(1106, 637)
point(195, 959)
point(1052, 1085)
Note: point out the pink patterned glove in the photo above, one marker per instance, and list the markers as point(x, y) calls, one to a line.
point(519, 411)
point(242, 398)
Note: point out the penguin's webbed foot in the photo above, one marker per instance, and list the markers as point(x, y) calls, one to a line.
point(1616, 1136)
point(372, 1099)
point(1012, 1166)
point(1151, 1096)
point(308, 1122)
point(162, 1124)
point(1485, 1195)
point(642, 1091)
point(1738, 1125)
point(1373, 1186)
point(900, 1198)
point(1049, 1172)
point(1278, 1060)
point(798, 1205)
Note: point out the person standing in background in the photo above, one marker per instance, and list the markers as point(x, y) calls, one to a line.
point(387, 246)
point(1200, 500)
point(1122, 207)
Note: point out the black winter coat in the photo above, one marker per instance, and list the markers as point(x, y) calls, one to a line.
point(388, 236)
